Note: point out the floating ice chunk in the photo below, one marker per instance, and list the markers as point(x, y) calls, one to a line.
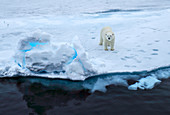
point(38, 55)
point(145, 83)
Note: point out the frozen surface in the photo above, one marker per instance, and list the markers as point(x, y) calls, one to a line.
point(142, 32)
point(36, 55)
point(145, 83)
point(18, 8)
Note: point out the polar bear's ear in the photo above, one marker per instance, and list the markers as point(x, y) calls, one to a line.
point(113, 34)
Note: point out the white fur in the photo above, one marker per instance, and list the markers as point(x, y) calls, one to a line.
point(107, 37)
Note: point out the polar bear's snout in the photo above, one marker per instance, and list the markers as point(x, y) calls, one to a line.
point(109, 36)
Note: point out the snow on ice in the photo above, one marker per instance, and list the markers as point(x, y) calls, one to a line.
point(66, 46)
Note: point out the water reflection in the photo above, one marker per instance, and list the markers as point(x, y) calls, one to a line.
point(40, 97)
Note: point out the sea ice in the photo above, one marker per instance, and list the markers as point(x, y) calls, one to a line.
point(142, 41)
point(39, 55)
point(145, 83)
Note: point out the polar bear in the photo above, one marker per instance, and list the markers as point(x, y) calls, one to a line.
point(108, 37)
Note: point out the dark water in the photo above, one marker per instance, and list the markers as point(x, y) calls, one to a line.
point(20, 96)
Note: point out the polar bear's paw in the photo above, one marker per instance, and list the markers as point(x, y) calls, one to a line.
point(112, 49)
point(106, 49)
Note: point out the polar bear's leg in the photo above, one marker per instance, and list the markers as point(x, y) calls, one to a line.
point(101, 40)
point(105, 46)
point(112, 45)
point(109, 44)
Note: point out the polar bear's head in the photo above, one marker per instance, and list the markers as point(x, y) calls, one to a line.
point(109, 36)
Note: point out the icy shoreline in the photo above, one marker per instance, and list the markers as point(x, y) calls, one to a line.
point(144, 80)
